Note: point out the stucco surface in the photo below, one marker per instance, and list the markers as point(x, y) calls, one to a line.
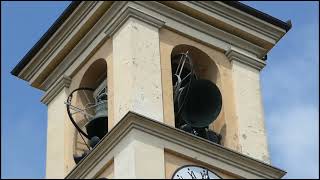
point(56, 162)
point(249, 110)
point(136, 70)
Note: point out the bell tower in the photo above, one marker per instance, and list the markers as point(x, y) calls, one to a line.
point(155, 90)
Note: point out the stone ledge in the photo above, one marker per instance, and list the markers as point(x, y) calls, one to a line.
point(172, 139)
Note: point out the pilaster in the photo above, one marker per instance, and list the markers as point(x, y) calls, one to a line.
point(136, 70)
point(248, 104)
point(59, 130)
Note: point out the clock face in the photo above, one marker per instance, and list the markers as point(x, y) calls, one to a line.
point(194, 172)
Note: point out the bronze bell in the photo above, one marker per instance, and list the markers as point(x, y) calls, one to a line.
point(98, 125)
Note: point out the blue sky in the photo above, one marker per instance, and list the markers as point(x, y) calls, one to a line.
point(290, 87)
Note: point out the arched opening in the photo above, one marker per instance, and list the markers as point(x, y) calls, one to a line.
point(203, 64)
point(201, 93)
point(95, 77)
point(93, 120)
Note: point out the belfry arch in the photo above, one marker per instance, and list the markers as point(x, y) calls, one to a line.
point(204, 68)
point(95, 78)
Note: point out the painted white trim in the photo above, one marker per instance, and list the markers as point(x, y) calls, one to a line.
point(137, 126)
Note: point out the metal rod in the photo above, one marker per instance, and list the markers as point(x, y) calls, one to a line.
point(179, 64)
point(181, 60)
point(88, 107)
point(84, 141)
point(184, 61)
point(185, 77)
point(85, 94)
point(78, 109)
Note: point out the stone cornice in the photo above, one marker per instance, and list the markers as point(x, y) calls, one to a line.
point(154, 13)
point(129, 12)
point(239, 19)
point(82, 51)
point(234, 54)
point(56, 41)
point(197, 29)
point(172, 139)
point(63, 81)
point(118, 14)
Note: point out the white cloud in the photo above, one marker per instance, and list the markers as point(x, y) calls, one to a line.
point(290, 90)
point(294, 141)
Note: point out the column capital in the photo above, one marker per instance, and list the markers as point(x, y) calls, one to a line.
point(63, 81)
point(235, 54)
point(130, 12)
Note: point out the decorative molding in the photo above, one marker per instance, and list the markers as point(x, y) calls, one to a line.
point(154, 13)
point(172, 139)
point(240, 19)
point(130, 12)
point(56, 41)
point(234, 54)
point(109, 23)
point(63, 82)
point(86, 46)
point(121, 11)
point(199, 30)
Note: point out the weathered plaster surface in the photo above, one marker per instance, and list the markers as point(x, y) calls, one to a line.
point(249, 110)
point(138, 156)
point(136, 70)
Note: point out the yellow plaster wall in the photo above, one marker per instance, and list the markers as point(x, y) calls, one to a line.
point(225, 123)
point(57, 161)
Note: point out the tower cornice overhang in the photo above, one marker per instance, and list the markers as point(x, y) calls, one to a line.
point(215, 24)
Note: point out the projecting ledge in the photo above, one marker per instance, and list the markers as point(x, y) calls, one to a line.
point(140, 128)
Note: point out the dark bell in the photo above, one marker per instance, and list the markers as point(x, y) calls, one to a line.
point(203, 103)
point(202, 132)
point(98, 125)
point(77, 158)
point(94, 141)
point(214, 137)
point(188, 128)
